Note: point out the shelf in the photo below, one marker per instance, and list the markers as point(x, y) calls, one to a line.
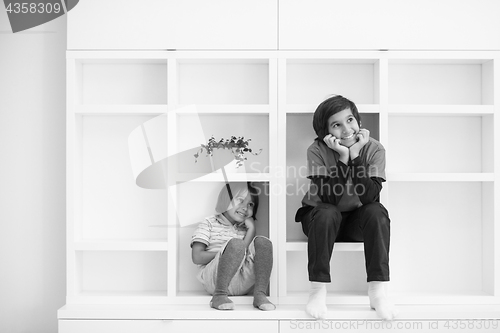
point(118, 245)
point(291, 311)
point(338, 247)
point(399, 298)
point(423, 297)
point(462, 143)
point(454, 219)
point(224, 108)
point(110, 205)
point(137, 109)
point(122, 273)
point(111, 82)
point(217, 176)
point(99, 56)
point(119, 297)
point(310, 108)
point(441, 110)
point(440, 177)
point(462, 82)
point(130, 245)
point(223, 81)
point(312, 80)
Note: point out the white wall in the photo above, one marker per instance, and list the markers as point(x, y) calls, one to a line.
point(32, 176)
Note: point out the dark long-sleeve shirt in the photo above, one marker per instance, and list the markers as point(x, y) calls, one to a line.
point(346, 186)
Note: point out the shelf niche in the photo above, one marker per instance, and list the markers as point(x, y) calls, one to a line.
point(121, 82)
point(189, 218)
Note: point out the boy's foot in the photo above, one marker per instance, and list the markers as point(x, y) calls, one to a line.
point(261, 302)
point(316, 306)
point(379, 302)
point(221, 302)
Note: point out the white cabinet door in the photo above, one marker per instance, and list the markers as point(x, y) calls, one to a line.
point(389, 24)
point(174, 24)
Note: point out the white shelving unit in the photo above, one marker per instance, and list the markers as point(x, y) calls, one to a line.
point(437, 114)
point(118, 228)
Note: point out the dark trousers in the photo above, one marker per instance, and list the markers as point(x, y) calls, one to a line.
point(325, 224)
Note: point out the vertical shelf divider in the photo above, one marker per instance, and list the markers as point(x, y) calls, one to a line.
point(274, 148)
point(172, 100)
point(281, 181)
point(382, 70)
point(72, 277)
point(496, 184)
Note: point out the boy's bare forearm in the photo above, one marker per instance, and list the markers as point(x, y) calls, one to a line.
point(201, 256)
point(204, 257)
point(249, 236)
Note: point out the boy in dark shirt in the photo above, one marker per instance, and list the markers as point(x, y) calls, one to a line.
point(346, 168)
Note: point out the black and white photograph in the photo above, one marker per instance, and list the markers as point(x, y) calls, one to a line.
point(284, 166)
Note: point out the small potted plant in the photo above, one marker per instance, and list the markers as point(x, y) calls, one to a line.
point(237, 145)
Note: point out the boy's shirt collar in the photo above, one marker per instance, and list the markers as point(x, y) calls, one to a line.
point(222, 219)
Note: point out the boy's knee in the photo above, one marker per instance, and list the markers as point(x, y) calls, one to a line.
point(236, 244)
point(263, 243)
point(377, 212)
point(326, 213)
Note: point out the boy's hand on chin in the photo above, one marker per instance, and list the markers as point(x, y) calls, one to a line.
point(334, 144)
point(363, 137)
point(250, 223)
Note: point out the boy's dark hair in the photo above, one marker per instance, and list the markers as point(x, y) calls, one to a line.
point(235, 189)
point(329, 107)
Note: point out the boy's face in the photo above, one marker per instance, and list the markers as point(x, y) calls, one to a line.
point(344, 126)
point(241, 208)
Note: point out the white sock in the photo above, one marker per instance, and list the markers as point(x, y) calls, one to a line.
point(379, 302)
point(316, 306)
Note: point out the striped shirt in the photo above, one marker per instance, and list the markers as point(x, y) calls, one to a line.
point(215, 231)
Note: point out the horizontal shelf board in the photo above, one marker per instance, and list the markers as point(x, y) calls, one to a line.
point(310, 108)
point(283, 312)
point(441, 177)
point(117, 55)
point(331, 56)
point(302, 246)
point(441, 58)
point(113, 109)
point(117, 245)
point(458, 297)
point(218, 177)
point(456, 57)
point(240, 55)
point(407, 57)
point(322, 59)
point(404, 298)
point(119, 297)
point(225, 108)
point(98, 109)
point(440, 110)
point(122, 293)
point(169, 54)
